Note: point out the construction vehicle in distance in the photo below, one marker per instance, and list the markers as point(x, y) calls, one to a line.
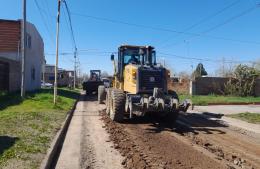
point(91, 85)
point(140, 86)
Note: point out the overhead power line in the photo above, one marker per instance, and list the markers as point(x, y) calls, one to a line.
point(44, 21)
point(224, 23)
point(70, 23)
point(203, 20)
point(82, 52)
point(68, 26)
point(231, 19)
point(162, 29)
point(202, 59)
point(74, 41)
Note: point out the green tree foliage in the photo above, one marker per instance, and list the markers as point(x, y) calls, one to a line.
point(257, 64)
point(243, 82)
point(199, 71)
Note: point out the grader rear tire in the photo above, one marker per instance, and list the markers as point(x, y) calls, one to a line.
point(101, 94)
point(117, 105)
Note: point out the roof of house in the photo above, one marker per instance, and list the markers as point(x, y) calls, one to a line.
point(8, 20)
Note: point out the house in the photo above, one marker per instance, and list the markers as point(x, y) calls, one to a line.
point(65, 77)
point(48, 74)
point(10, 56)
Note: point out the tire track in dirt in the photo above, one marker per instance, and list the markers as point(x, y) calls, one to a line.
point(149, 145)
point(237, 149)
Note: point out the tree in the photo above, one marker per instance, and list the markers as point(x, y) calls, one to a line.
point(226, 69)
point(243, 82)
point(104, 74)
point(257, 65)
point(184, 75)
point(199, 71)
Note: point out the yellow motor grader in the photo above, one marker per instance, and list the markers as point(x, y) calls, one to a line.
point(140, 86)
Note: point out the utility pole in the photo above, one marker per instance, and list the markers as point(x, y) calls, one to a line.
point(75, 67)
point(23, 46)
point(57, 53)
point(223, 67)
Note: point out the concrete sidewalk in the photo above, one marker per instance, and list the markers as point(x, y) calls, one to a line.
point(70, 153)
point(87, 144)
point(229, 109)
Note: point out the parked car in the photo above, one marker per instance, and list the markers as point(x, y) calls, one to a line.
point(46, 85)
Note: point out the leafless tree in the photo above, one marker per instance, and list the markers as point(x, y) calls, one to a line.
point(226, 68)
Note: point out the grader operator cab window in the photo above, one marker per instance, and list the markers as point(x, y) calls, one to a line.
point(139, 57)
point(132, 57)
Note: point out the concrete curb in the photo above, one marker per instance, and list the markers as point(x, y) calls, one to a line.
point(56, 144)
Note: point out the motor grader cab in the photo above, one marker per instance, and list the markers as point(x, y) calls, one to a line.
point(91, 85)
point(140, 86)
point(95, 75)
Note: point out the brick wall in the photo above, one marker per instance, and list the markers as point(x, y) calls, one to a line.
point(181, 86)
point(9, 35)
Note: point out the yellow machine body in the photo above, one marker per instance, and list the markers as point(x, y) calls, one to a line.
point(130, 79)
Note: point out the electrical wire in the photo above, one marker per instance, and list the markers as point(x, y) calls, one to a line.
point(202, 59)
point(70, 23)
point(67, 23)
point(221, 24)
point(206, 19)
point(44, 21)
point(162, 29)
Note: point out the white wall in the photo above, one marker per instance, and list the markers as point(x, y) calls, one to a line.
point(34, 59)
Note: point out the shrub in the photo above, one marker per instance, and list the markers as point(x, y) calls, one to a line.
point(243, 83)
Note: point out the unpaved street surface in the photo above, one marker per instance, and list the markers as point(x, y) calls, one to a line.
point(87, 143)
point(194, 142)
point(231, 144)
point(94, 141)
point(149, 145)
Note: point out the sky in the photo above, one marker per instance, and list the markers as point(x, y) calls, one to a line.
point(183, 32)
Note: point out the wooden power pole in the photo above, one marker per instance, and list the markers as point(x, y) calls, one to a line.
point(57, 53)
point(75, 68)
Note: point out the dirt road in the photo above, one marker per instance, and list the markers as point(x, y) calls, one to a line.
point(194, 142)
point(230, 144)
point(94, 141)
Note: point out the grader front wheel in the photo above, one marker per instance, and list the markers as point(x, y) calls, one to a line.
point(117, 105)
point(108, 100)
